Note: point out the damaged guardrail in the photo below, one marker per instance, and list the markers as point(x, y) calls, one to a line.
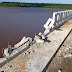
point(58, 19)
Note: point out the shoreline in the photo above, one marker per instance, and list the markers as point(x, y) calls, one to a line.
point(36, 5)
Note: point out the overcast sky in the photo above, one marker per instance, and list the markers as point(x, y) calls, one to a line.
point(40, 1)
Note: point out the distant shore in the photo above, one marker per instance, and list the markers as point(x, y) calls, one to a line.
point(36, 5)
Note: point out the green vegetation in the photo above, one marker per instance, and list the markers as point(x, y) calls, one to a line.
point(36, 5)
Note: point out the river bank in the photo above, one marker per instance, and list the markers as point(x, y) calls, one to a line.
point(36, 5)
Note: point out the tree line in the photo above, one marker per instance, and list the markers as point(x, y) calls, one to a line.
point(39, 5)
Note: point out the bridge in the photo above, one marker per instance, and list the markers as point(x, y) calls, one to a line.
point(35, 55)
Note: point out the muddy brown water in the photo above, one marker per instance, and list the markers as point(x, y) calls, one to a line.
point(15, 23)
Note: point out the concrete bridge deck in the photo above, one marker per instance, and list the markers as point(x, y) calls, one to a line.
point(36, 58)
point(63, 59)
